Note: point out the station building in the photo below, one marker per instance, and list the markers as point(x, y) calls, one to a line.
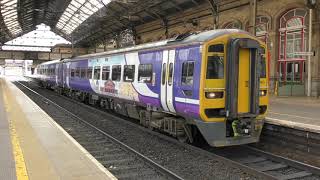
point(282, 24)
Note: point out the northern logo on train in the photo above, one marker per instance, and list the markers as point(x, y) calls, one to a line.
point(109, 87)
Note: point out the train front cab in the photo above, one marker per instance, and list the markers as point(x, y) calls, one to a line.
point(233, 90)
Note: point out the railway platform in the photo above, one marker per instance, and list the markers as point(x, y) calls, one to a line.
point(295, 112)
point(34, 147)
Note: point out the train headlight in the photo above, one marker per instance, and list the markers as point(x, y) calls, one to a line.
point(263, 92)
point(214, 95)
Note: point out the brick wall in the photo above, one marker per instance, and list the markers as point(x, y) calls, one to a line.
point(199, 18)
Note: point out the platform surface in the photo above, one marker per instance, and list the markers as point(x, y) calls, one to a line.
point(7, 163)
point(46, 150)
point(297, 112)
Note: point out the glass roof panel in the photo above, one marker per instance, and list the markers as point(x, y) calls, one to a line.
point(72, 8)
point(76, 4)
point(41, 39)
point(77, 12)
point(9, 12)
point(9, 3)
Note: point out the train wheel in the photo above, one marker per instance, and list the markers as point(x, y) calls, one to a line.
point(183, 138)
point(184, 133)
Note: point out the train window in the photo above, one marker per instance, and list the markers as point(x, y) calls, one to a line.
point(217, 48)
point(105, 72)
point(72, 72)
point(170, 79)
point(215, 67)
point(96, 73)
point(77, 74)
point(89, 73)
point(128, 74)
point(164, 72)
point(83, 73)
point(116, 73)
point(187, 73)
point(145, 73)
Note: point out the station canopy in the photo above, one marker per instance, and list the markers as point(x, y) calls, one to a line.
point(83, 22)
point(39, 40)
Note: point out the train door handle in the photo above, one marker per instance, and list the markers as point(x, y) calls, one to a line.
point(246, 84)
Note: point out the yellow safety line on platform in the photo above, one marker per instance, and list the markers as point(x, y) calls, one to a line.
point(21, 170)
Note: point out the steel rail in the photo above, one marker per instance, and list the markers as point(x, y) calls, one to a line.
point(162, 169)
point(293, 163)
point(230, 162)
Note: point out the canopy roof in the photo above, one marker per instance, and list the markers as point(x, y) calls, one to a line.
point(84, 21)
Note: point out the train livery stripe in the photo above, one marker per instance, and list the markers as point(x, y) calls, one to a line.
point(188, 101)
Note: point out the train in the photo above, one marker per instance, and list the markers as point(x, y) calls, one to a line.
point(210, 86)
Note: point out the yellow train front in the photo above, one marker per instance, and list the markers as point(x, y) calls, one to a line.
point(233, 90)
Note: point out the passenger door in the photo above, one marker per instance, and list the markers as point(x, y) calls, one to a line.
point(167, 79)
point(60, 74)
point(243, 80)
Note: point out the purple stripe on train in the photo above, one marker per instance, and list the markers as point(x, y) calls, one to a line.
point(150, 100)
point(191, 109)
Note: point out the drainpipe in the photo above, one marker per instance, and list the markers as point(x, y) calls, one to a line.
point(311, 5)
point(253, 16)
point(309, 50)
point(215, 12)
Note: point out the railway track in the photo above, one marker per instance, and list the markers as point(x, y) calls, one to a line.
point(269, 164)
point(120, 159)
point(296, 143)
point(256, 162)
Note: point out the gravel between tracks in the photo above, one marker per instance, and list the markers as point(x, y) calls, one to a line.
point(180, 159)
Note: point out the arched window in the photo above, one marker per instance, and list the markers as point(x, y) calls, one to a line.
point(292, 40)
point(233, 25)
point(262, 27)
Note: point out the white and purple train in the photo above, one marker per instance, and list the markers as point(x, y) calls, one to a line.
point(210, 85)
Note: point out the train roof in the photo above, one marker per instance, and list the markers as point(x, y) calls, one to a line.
point(50, 62)
point(184, 39)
